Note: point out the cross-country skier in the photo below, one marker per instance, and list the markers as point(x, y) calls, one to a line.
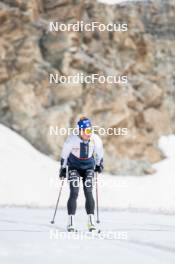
point(83, 154)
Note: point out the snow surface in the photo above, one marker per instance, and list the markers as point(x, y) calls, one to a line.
point(27, 237)
point(29, 178)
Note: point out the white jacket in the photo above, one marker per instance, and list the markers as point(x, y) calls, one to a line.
point(75, 150)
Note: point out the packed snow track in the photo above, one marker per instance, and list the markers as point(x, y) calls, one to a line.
point(26, 236)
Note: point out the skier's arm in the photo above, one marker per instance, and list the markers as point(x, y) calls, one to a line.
point(67, 147)
point(98, 153)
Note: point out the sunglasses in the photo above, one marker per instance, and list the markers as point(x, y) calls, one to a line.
point(87, 131)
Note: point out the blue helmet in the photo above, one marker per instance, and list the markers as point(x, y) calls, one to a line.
point(84, 123)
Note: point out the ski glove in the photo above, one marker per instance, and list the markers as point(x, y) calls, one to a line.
point(99, 168)
point(62, 173)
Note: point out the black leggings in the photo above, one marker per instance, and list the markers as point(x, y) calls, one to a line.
point(74, 181)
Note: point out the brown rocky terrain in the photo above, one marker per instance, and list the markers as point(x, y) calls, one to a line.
point(145, 53)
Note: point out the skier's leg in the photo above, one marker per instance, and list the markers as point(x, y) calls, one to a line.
point(74, 189)
point(90, 204)
point(88, 187)
point(72, 201)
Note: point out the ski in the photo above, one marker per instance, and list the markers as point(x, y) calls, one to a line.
point(98, 231)
point(72, 230)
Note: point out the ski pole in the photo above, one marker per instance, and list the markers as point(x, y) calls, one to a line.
point(97, 206)
point(59, 195)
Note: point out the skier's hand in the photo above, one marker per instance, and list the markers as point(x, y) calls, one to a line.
point(62, 173)
point(99, 168)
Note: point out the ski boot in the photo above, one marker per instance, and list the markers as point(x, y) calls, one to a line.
point(70, 226)
point(91, 223)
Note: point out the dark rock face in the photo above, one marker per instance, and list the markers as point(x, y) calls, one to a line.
point(145, 53)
